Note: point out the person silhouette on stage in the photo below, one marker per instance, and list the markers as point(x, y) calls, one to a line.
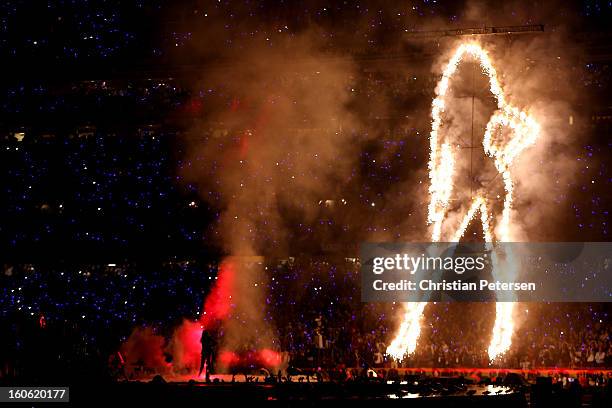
point(208, 351)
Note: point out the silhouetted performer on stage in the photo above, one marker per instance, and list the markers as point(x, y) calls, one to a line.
point(208, 351)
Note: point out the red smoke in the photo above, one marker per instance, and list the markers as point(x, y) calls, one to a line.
point(217, 307)
point(257, 128)
point(228, 358)
point(185, 345)
point(262, 358)
point(269, 358)
point(144, 347)
point(244, 144)
point(150, 349)
point(194, 106)
point(218, 304)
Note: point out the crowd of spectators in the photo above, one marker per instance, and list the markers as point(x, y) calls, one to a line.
point(453, 335)
point(110, 29)
point(99, 193)
point(78, 316)
point(93, 171)
point(122, 163)
point(69, 319)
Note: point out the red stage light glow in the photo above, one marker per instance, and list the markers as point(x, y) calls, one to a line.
point(218, 304)
point(228, 358)
point(269, 358)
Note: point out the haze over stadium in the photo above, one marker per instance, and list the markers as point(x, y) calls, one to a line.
point(187, 185)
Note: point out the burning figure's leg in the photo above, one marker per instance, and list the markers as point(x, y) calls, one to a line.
point(409, 331)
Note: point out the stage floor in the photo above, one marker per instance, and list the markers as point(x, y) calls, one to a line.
point(224, 378)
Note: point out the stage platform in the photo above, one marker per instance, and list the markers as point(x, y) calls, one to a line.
point(419, 390)
point(297, 394)
point(475, 374)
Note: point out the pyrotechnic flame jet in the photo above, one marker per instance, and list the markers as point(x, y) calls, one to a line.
point(524, 131)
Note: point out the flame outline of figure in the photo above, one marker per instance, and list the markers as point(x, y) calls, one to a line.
point(525, 131)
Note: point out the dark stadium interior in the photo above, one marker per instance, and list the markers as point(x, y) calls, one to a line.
point(125, 129)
